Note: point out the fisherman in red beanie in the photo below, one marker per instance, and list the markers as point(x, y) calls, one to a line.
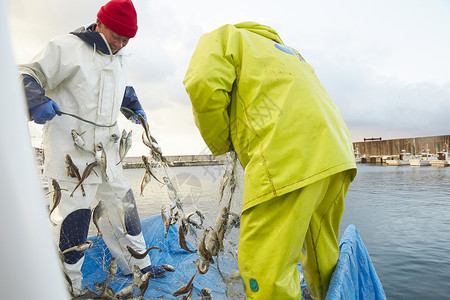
point(81, 77)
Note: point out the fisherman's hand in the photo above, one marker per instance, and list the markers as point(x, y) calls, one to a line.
point(135, 119)
point(44, 112)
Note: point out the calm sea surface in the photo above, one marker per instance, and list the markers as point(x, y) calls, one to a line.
point(401, 213)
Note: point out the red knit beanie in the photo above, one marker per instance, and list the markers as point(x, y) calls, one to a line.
point(120, 17)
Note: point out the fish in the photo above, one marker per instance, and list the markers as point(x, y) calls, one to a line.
point(202, 267)
point(113, 267)
point(173, 195)
point(138, 255)
point(147, 175)
point(223, 183)
point(125, 292)
point(168, 268)
point(73, 171)
point(182, 240)
point(96, 215)
point(165, 220)
point(87, 171)
point(151, 142)
point(100, 157)
point(198, 225)
point(103, 286)
point(185, 288)
point(79, 141)
point(188, 297)
point(149, 169)
point(234, 220)
point(145, 180)
point(128, 113)
point(206, 294)
point(203, 252)
point(215, 242)
point(56, 198)
point(143, 284)
point(81, 248)
point(114, 138)
point(169, 185)
point(126, 141)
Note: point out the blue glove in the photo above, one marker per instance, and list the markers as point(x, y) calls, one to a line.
point(135, 119)
point(44, 112)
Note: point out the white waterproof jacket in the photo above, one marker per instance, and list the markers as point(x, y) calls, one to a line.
point(85, 82)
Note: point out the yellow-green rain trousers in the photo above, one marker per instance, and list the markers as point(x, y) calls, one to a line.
point(272, 235)
point(250, 91)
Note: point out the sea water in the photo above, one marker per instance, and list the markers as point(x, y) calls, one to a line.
point(401, 213)
point(403, 216)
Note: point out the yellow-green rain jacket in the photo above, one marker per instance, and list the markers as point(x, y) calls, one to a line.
point(250, 90)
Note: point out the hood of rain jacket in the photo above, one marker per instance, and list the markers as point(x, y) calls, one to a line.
point(251, 91)
point(78, 72)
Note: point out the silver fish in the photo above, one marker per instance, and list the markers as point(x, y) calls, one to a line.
point(165, 219)
point(73, 171)
point(126, 141)
point(79, 141)
point(215, 242)
point(138, 255)
point(148, 168)
point(151, 142)
point(202, 267)
point(103, 286)
point(203, 252)
point(87, 171)
point(81, 248)
point(143, 284)
point(185, 288)
point(223, 183)
point(56, 198)
point(206, 294)
point(147, 175)
point(128, 290)
point(198, 225)
point(145, 180)
point(182, 240)
point(114, 138)
point(100, 157)
point(168, 268)
point(96, 215)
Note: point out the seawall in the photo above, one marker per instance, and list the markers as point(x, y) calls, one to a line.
point(415, 145)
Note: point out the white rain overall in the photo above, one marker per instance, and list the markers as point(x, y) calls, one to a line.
point(84, 79)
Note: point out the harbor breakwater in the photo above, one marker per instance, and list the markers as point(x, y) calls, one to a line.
point(394, 147)
point(179, 161)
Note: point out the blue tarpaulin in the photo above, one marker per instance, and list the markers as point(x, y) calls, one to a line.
point(353, 278)
point(96, 266)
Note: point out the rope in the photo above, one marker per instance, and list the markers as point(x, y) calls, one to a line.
point(84, 120)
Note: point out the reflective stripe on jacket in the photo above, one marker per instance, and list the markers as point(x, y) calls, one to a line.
point(250, 90)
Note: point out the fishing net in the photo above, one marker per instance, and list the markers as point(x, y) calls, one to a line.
point(192, 203)
point(183, 195)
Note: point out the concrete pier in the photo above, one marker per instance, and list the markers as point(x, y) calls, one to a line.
point(179, 161)
point(379, 151)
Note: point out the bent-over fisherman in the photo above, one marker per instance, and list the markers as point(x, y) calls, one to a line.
point(77, 84)
point(258, 97)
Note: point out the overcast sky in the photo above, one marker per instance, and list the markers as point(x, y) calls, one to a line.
point(385, 63)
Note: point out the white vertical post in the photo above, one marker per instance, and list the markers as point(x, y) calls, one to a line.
point(28, 258)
